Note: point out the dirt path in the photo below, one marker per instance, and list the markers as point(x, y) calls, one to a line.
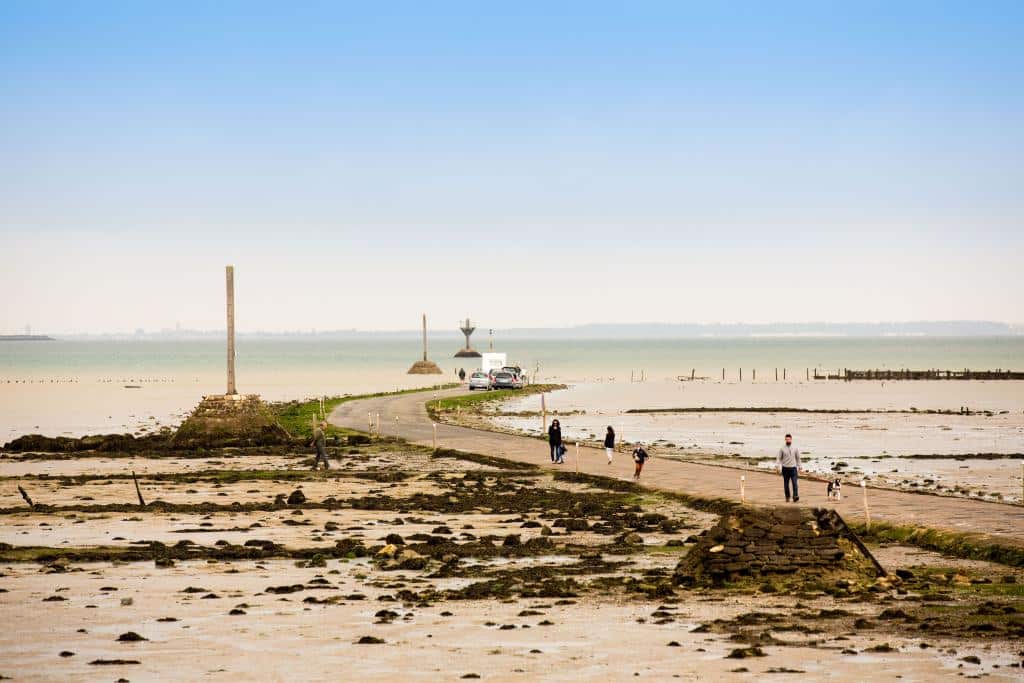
point(1004, 523)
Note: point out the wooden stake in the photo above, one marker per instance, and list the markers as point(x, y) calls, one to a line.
point(25, 496)
point(378, 424)
point(867, 512)
point(434, 424)
point(743, 488)
point(577, 457)
point(369, 422)
point(138, 491)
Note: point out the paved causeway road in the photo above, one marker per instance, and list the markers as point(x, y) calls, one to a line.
point(1005, 523)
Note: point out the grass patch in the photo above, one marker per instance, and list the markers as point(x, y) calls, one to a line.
point(968, 546)
point(298, 416)
point(475, 402)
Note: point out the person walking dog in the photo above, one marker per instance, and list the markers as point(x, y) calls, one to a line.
point(320, 441)
point(609, 444)
point(788, 463)
point(555, 440)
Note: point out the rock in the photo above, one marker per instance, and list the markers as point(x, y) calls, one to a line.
point(632, 538)
point(130, 637)
point(546, 530)
point(394, 539)
point(387, 551)
point(370, 640)
point(297, 497)
point(511, 540)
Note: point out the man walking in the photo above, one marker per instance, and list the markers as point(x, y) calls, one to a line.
point(788, 463)
point(320, 441)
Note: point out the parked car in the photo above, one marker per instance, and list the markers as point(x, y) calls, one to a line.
point(479, 380)
point(507, 380)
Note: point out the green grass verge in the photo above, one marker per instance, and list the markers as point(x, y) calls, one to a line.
point(968, 546)
point(474, 402)
point(298, 416)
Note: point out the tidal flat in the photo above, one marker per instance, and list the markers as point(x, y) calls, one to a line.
point(405, 563)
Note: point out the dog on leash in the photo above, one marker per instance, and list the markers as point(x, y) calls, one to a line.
point(835, 490)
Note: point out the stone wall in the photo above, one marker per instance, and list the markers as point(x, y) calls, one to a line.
point(756, 542)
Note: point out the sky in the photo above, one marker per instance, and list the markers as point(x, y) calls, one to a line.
point(538, 164)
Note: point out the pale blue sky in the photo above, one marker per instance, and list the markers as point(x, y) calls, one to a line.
point(612, 162)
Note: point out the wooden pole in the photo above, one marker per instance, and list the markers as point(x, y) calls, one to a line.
point(741, 374)
point(434, 425)
point(424, 336)
point(723, 374)
point(543, 415)
point(138, 491)
point(754, 378)
point(369, 422)
point(577, 457)
point(867, 512)
point(693, 372)
point(783, 374)
point(24, 495)
point(378, 424)
point(230, 281)
point(743, 488)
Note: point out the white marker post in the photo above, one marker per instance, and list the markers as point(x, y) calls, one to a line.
point(577, 457)
point(743, 488)
point(369, 422)
point(434, 424)
point(378, 424)
point(396, 426)
point(867, 512)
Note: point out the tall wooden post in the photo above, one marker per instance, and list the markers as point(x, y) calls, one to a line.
point(230, 276)
point(424, 336)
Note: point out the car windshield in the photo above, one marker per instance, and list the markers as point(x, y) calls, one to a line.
point(478, 375)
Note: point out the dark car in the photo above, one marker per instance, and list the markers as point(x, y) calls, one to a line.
point(506, 380)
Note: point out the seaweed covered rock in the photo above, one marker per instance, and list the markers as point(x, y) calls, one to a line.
point(756, 542)
point(230, 420)
point(105, 443)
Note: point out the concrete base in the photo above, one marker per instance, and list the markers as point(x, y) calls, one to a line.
point(467, 353)
point(424, 367)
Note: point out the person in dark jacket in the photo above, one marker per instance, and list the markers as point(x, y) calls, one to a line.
point(609, 443)
point(640, 456)
point(555, 440)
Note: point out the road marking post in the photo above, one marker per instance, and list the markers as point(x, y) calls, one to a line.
point(743, 488)
point(867, 512)
point(577, 457)
point(378, 424)
point(434, 425)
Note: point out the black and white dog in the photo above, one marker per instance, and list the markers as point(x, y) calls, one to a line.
point(835, 490)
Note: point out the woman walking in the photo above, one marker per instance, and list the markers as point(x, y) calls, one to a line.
point(555, 440)
point(609, 443)
point(639, 457)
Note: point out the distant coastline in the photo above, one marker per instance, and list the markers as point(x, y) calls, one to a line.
point(26, 337)
point(654, 330)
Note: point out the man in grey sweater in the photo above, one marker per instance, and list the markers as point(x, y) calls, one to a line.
point(788, 463)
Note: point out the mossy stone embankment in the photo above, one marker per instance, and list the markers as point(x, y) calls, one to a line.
point(759, 542)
